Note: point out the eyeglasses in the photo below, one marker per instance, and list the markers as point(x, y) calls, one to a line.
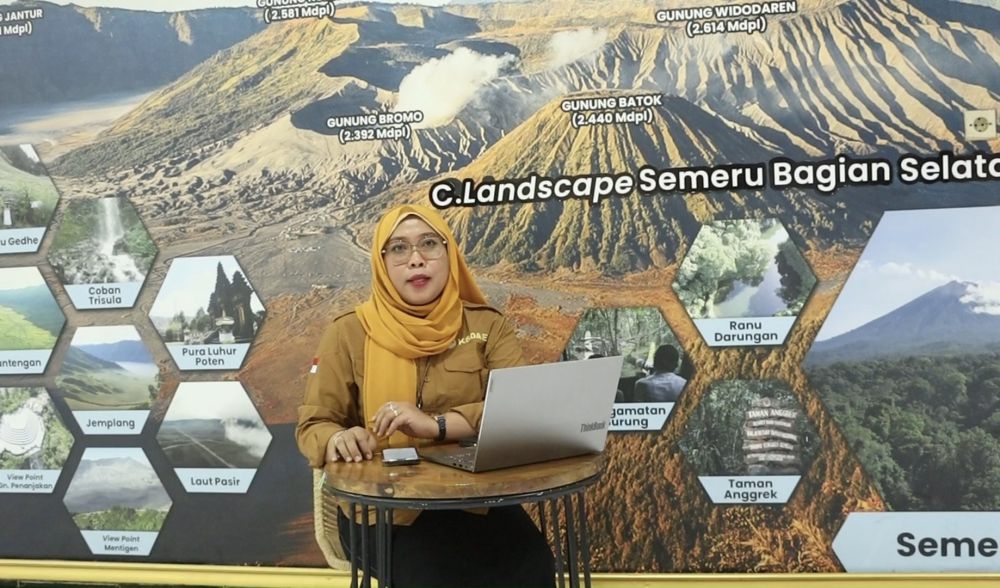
point(429, 247)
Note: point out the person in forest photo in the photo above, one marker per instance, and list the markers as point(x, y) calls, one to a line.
point(663, 385)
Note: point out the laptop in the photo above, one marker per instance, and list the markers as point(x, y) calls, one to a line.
point(538, 413)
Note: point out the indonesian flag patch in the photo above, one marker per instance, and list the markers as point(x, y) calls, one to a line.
point(315, 366)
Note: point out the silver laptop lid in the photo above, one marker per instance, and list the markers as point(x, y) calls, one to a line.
point(549, 411)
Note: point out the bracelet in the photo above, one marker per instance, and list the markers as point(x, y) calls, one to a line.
point(442, 427)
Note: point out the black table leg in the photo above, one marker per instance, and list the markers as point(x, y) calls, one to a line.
point(354, 545)
point(557, 541)
point(581, 498)
point(380, 545)
point(542, 524)
point(388, 548)
point(366, 565)
point(571, 554)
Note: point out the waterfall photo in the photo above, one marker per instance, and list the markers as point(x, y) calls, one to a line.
point(101, 241)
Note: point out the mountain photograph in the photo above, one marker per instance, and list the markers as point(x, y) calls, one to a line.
point(113, 49)
point(108, 368)
point(29, 317)
point(116, 490)
point(943, 321)
point(913, 388)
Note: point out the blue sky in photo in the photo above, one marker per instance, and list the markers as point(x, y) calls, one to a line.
point(912, 252)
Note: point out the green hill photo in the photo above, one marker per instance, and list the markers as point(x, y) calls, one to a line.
point(16, 332)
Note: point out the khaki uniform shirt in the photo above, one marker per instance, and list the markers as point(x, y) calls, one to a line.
point(452, 381)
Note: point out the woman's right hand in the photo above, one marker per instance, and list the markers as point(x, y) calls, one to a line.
point(352, 444)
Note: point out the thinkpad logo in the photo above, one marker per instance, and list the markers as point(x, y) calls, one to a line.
point(595, 426)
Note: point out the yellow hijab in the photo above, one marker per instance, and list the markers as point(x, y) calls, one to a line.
point(398, 332)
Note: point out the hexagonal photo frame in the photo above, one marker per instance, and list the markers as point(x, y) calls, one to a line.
point(207, 313)
point(654, 372)
point(749, 441)
point(28, 198)
point(911, 376)
point(117, 501)
point(30, 321)
point(102, 252)
point(214, 437)
point(109, 380)
point(743, 282)
point(34, 441)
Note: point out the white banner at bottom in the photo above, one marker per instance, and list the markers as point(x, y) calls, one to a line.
point(919, 542)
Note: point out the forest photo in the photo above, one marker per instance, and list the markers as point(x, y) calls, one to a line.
point(913, 376)
point(743, 268)
point(749, 427)
point(636, 333)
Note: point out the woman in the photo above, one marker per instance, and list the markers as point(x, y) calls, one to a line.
point(409, 367)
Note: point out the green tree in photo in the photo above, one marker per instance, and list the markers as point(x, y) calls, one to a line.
point(121, 518)
point(12, 399)
point(631, 332)
point(714, 436)
point(924, 428)
point(240, 294)
point(797, 280)
point(724, 253)
point(58, 442)
point(139, 244)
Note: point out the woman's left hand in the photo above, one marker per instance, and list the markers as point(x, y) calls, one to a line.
point(406, 417)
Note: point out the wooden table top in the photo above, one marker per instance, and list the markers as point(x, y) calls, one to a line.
point(431, 481)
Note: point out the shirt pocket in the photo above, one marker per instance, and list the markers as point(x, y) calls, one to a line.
point(464, 379)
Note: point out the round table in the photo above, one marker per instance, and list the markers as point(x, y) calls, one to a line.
point(428, 486)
